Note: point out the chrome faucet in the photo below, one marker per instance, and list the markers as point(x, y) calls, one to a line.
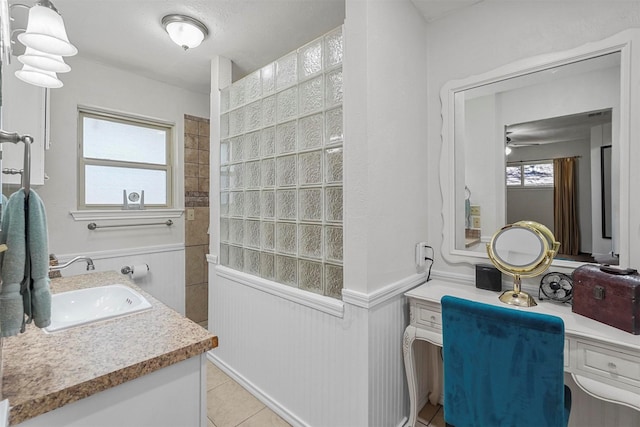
point(88, 260)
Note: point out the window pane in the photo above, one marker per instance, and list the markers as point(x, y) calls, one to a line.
point(104, 185)
point(539, 174)
point(108, 140)
point(514, 175)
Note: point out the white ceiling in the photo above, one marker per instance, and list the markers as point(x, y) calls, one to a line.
point(127, 33)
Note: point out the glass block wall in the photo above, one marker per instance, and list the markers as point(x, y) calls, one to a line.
point(281, 169)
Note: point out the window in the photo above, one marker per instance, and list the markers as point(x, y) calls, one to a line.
point(530, 174)
point(123, 153)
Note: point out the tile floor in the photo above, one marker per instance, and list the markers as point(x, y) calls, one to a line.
point(230, 405)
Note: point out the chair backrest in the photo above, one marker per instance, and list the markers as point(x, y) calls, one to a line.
point(503, 366)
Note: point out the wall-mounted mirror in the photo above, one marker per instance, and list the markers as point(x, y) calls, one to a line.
point(525, 142)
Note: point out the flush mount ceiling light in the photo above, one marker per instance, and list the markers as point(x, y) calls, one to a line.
point(185, 31)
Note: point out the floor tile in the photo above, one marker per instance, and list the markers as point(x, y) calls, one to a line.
point(265, 418)
point(215, 376)
point(427, 412)
point(210, 423)
point(438, 419)
point(229, 404)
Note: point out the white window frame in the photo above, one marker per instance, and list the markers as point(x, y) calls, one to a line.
point(128, 119)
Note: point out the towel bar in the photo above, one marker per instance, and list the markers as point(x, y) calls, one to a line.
point(94, 226)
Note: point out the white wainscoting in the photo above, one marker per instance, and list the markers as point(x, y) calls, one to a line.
point(165, 280)
point(312, 368)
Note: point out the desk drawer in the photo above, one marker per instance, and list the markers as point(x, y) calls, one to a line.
point(615, 365)
point(426, 315)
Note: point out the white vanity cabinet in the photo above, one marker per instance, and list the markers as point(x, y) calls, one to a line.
point(25, 111)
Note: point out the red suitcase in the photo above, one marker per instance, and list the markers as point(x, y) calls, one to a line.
point(608, 295)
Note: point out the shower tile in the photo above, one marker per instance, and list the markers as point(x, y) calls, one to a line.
point(286, 137)
point(253, 116)
point(267, 266)
point(251, 144)
point(286, 71)
point(310, 278)
point(333, 247)
point(333, 87)
point(224, 229)
point(286, 171)
point(252, 86)
point(310, 166)
point(268, 236)
point(237, 149)
point(268, 204)
point(224, 203)
point(236, 97)
point(224, 126)
point(252, 174)
point(333, 50)
point(224, 177)
point(333, 160)
point(236, 231)
point(236, 258)
point(287, 104)
point(236, 176)
point(287, 270)
point(310, 241)
point(333, 281)
point(310, 93)
point(225, 151)
point(310, 204)
point(268, 141)
point(224, 99)
point(269, 110)
point(268, 172)
point(335, 132)
point(268, 78)
point(252, 204)
point(236, 203)
point(310, 59)
point(252, 234)
point(310, 131)
point(252, 262)
point(286, 204)
point(286, 238)
point(333, 204)
point(224, 254)
point(236, 121)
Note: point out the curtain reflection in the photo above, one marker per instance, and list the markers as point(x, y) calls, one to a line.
point(565, 205)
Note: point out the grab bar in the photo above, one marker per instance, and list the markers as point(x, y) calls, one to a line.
point(94, 226)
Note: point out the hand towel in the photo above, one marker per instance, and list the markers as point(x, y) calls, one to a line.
point(13, 265)
point(38, 244)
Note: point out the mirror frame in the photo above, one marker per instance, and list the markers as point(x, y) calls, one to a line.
point(628, 44)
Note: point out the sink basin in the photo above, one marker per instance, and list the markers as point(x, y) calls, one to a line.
point(75, 308)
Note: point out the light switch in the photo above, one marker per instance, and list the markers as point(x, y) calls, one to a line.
point(191, 214)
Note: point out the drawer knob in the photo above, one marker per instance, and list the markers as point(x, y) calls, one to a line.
point(433, 318)
point(611, 365)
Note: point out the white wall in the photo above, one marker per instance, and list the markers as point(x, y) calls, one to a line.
point(494, 33)
point(96, 85)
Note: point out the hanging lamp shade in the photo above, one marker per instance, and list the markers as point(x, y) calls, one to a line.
point(185, 31)
point(37, 77)
point(46, 33)
point(44, 61)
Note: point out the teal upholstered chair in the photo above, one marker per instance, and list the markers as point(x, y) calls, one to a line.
point(503, 366)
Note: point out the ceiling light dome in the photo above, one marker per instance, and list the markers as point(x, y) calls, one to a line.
point(46, 32)
point(185, 31)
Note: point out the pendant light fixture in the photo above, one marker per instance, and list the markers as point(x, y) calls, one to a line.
point(184, 30)
point(37, 77)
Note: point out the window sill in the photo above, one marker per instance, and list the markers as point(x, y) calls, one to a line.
point(106, 214)
point(321, 303)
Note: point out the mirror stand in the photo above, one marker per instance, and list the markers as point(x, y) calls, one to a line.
point(516, 296)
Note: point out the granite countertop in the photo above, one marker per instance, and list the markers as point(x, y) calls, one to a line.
point(43, 372)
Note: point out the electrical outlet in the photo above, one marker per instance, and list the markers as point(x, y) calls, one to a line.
point(475, 210)
point(191, 214)
point(476, 222)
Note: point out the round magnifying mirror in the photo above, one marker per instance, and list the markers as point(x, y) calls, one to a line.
point(522, 249)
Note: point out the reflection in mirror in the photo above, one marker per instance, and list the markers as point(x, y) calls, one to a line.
point(565, 112)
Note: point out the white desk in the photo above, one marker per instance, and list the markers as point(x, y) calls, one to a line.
point(603, 361)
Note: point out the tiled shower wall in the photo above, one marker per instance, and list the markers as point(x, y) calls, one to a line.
point(196, 201)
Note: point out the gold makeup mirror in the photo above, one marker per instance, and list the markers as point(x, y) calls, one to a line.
point(522, 249)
